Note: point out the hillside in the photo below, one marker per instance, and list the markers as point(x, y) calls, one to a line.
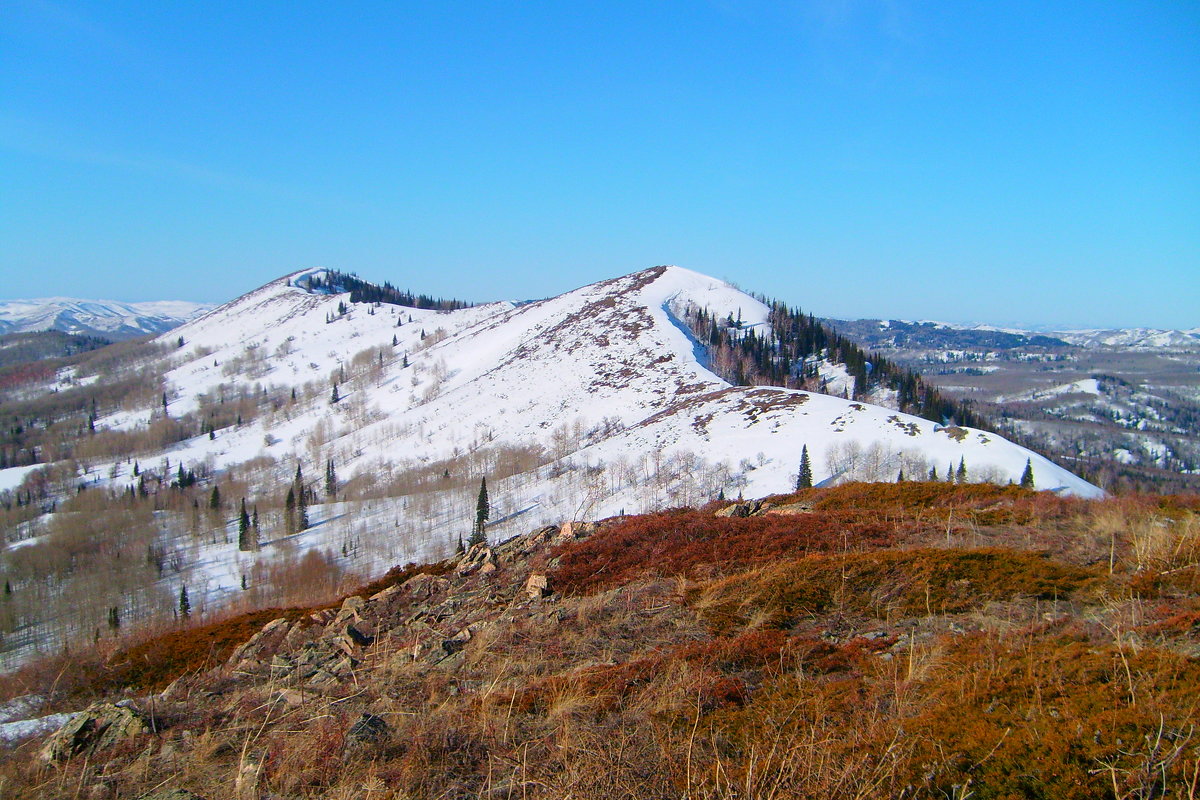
point(142, 470)
point(891, 640)
point(107, 319)
point(1121, 407)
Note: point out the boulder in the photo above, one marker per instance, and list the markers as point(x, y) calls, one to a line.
point(260, 647)
point(98, 726)
point(537, 586)
point(369, 729)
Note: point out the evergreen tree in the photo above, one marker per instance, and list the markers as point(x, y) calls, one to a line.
point(900, 477)
point(804, 477)
point(933, 474)
point(331, 481)
point(961, 475)
point(302, 499)
point(334, 397)
point(114, 618)
point(289, 511)
point(214, 499)
point(482, 512)
point(245, 540)
point(185, 605)
point(1027, 475)
point(950, 472)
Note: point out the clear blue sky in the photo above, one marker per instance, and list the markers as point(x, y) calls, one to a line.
point(1025, 162)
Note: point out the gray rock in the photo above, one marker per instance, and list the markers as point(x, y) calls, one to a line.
point(98, 726)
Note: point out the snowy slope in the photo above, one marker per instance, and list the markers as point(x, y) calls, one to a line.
point(613, 354)
point(604, 386)
point(1134, 338)
point(107, 318)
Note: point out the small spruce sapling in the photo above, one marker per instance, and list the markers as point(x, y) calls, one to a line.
point(804, 478)
point(1027, 475)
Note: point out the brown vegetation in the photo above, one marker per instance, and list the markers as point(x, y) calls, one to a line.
point(838, 649)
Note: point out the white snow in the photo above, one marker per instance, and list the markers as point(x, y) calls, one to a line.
point(111, 317)
point(605, 379)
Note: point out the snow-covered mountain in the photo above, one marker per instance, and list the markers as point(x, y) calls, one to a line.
point(932, 334)
point(594, 403)
point(1134, 338)
point(109, 319)
point(611, 362)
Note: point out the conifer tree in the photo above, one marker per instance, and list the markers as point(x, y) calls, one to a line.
point(933, 474)
point(301, 502)
point(482, 512)
point(334, 397)
point(289, 511)
point(114, 618)
point(961, 475)
point(331, 481)
point(185, 605)
point(245, 540)
point(1027, 475)
point(804, 477)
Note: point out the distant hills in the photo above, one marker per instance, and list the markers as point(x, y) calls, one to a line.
point(108, 319)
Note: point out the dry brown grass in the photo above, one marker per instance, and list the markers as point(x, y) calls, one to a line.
point(912, 672)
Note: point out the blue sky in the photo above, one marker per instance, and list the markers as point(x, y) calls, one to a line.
point(1023, 162)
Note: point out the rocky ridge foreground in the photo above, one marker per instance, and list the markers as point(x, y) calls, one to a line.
point(870, 640)
point(325, 657)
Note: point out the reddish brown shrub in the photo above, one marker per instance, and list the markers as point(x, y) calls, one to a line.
point(685, 542)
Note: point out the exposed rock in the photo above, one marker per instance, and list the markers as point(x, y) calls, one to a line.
point(369, 729)
point(250, 656)
point(747, 509)
point(537, 586)
point(98, 726)
point(249, 775)
point(789, 510)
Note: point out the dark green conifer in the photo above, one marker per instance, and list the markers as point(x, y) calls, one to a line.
point(804, 478)
point(1027, 475)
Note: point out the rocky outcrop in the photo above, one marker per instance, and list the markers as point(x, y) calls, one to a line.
point(99, 726)
point(431, 617)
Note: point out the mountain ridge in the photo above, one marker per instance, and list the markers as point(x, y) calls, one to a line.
point(112, 319)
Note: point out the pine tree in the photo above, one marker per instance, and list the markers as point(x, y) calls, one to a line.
point(900, 477)
point(961, 475)
point(331, 481)
point(933, 474)
point(1027, 475)
point(482, 512)
point(114, 618)
point(185, 605)
point(950, 473)
point(301, 502)
point(245, 540)
point(334, 397)
point(289, 511)
point(804, 477)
